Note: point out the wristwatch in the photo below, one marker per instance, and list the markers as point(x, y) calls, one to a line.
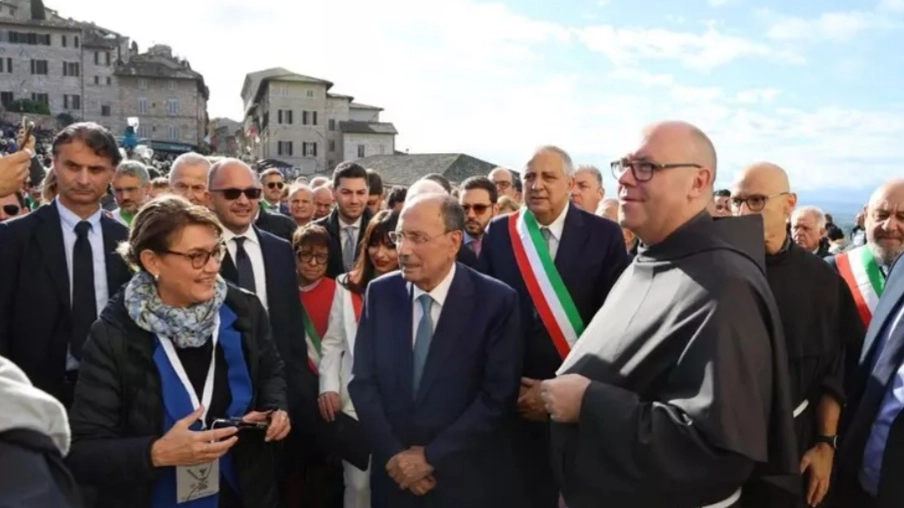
point(829, 440)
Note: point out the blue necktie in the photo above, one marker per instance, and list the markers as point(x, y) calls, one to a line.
point(422, 339)
point(243, 265)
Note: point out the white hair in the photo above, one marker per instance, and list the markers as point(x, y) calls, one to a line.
point(135, 169)
point(815, 212)
point(567, 164)
point(593, 170)
point(422, 187)
point(299, 187)
point(188, 159)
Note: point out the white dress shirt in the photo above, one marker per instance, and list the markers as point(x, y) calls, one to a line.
point(438, 295)
point(253, 249)
point(68, 221)
point(556, 228)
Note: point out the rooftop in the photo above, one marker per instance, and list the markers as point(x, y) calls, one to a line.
point(358, 105)
point(405, 169)
point(367, 128)
point(253, 88)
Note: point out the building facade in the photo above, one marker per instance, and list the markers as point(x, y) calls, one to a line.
point(295, 119)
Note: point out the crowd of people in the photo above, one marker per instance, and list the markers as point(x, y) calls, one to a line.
point(221, 337)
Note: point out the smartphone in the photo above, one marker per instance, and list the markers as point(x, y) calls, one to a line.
point(220, 423)
point(28, 128)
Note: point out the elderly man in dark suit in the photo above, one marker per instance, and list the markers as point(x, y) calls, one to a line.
point(436, 369)
point(562, 261)
point(348, 221)
point(58, 265)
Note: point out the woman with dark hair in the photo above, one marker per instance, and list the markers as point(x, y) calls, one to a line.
point(377, 258)
point(180, 389)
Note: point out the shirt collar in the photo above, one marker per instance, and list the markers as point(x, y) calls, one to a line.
point(441, 290)
point(250, 235)
point(558, 225)
point(69, 219)
point(343, 224)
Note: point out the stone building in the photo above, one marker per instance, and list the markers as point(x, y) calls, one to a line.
point(402, 169)
point(226, 137)
point(294, 118)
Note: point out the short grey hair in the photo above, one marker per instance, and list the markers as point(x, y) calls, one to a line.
point(424, 187)
point(817, 214)
point(567, 164)
point(593, 170)
point(135, 169)
point(300, 187)
point(188, 159)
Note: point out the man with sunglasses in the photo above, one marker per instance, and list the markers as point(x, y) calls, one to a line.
point(12, 206)
point(478, 196)
point(819, 318)
point(678, 387)
point(273, 185)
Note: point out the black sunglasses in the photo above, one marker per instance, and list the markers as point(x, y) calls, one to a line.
point(275, 185)
point(478, 209)
point(233, 194)
point(11, 209)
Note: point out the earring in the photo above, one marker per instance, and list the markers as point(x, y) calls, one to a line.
point(157, 277)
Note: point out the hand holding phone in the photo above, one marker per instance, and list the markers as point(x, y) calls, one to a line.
point(240, 424)
point(26, 137)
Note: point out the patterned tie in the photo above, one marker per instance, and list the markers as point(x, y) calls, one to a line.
point(475, 246)
point(547, 234)
point(84, 302)
point(348, 250)
point(422, 339)
point(243, 265)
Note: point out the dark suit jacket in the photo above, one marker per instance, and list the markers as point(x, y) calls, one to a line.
point(276, 224)
point(335, 267)
point(868, 388)
point(590, 258)
point(287, 323)
point(470, 384)
point(35, 307)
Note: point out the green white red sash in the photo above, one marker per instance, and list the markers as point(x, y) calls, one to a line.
point(313, 339)
point(545, 285)
point(860, 271)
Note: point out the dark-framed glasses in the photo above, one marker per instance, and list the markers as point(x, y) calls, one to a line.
point(478, 208)
point(275, 185)
point(200, 257)
point(307, 256)
point(232, 194)
point(398, 237)
point(643, 170)
point(754, 202)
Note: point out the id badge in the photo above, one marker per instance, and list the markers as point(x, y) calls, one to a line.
point(195, 482)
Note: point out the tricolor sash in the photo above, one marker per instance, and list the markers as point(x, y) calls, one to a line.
point(313, 338)
point(544, 283)
point(860, 271)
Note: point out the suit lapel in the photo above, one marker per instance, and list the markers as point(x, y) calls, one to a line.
point(399, 316)
point(228, 269)
point(884, 314)
point(456, 310)
point(571, 246)
point(49, 236)
point(270, 275)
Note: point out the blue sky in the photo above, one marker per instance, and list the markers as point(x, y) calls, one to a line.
point(815, 86)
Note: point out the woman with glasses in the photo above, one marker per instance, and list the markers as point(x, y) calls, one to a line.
point(378, 258)
point(181, 391)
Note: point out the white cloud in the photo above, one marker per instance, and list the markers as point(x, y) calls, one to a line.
point(719, 3)
point(892, 5)
point(834, 26)
point(757, 96)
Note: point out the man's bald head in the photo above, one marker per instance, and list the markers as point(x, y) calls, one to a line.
point(763, 189)
point(892, 190)
point(766, 177)
point(608, 208)
point(695, 144)
point(227, 168)
point(884, 221)
point(424, 186)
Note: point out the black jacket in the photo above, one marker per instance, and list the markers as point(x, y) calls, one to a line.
point(276, 224)
point(335, 267)
point(118, 408)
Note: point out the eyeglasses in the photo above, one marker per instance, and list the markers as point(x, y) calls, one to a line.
point(233, 194)
point(502, 185)
point(306, 257)
point(275, 185)
point(11, 209)
point(643, 170)
point(755, 202)
point(478, 209)
point(200, 258)
point(397, 237)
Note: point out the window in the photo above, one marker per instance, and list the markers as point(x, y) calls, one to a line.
point(6, 98)
point(97, 58)
point(314, 118)
point(109, 80)
point(105, 110)
point(71, 69)
point(143, 131)
point(360, 151)
point(142, 83)
point(6, 65)
point(72, 102)
point(284, 116)
point(284, 148)
point(332, 146)
point(171, 84)
point(40, 97)
point(142, 105)
point(107, 58)
point(310, 93)
point(309, 149)
point(76, 41)
point(64, 41)
point(174, 132)
point(172, 107)
point(304, 118)
point(29, 38)
point(332, 124)
point(39, 67)
point(96, 80)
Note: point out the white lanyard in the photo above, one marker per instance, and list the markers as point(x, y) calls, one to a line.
point(207, 392)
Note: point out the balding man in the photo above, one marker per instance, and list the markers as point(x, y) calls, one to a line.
point(562, 261)
point(323, 201)
point(301, 204)
point(819, 319)
point(426, 186)
point(608, 208)
point(588, 188)
point(808, 229)
point(678, 388)
point(188, 178)
point(865, 268)
point(505, 183)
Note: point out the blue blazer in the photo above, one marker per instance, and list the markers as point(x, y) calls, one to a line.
point(470, 384)
point(590, 258)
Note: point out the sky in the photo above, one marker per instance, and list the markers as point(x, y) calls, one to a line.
point(814, 86)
